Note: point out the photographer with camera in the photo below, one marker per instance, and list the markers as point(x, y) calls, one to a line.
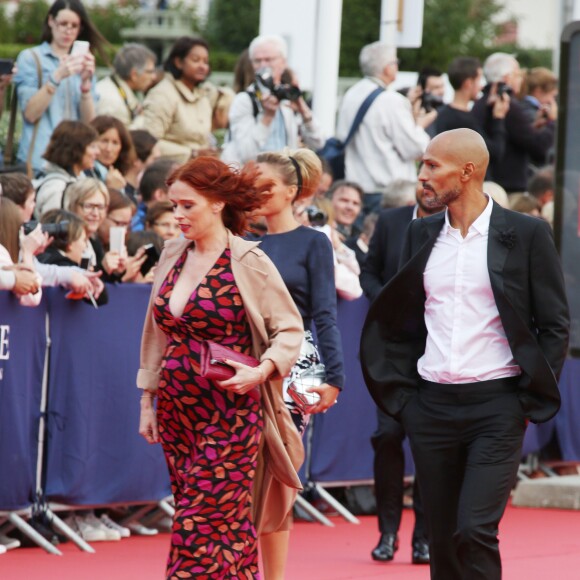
point(465, 75)
point(524, 142)
point(270, 114)
point(539, 100)
point(539, 94)
point(429, 94)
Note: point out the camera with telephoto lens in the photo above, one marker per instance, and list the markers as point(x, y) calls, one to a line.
point(283, 91)
point(60, 229)
point(429, 101)
point(316, 216)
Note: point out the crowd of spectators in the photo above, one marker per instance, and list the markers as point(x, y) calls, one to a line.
point(100, 152)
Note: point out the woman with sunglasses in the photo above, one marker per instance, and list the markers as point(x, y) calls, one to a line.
point(53, 83)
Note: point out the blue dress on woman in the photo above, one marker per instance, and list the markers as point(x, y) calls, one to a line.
point(304, 258)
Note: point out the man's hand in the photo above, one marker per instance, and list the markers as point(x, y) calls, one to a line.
point(425, 119)
point(414, 95)
point(302, 107)
point(501, 106)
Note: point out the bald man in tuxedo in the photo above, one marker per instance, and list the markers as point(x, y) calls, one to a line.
point(464, 346)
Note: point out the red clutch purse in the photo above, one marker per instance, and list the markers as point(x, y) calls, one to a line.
point(213, 367)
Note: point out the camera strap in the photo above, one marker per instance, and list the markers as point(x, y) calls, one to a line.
point(255, 103)
point(360, 115)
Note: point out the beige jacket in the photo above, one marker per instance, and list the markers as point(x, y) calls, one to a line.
point(180, 118)
point(277, 333)
point(118, 101)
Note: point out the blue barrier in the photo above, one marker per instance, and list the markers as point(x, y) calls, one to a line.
point(341, 448)
point(566, 421)
point(94, 453)
point(22, 352)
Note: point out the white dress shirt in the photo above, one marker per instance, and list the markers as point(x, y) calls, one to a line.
point(466, 341)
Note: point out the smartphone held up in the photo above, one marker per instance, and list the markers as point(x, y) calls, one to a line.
point(80, 48)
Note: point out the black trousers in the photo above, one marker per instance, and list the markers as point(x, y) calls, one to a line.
point(466, 442)
point(389, 470)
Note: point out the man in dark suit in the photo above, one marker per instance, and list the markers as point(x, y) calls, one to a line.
point(465, 345)
point(389, 462)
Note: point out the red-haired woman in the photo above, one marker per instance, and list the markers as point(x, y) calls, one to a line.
point(211, 284)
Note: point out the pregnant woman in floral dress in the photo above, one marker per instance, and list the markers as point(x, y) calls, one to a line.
point(212, 285)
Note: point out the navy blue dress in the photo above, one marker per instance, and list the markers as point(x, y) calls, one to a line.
point(305, 261)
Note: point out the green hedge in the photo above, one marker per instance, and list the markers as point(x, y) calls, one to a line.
point(12, 50)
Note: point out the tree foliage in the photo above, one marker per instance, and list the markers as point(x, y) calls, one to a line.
point(360, 26)
point(454, 28)
point(231, 24)
point(27, 22)
point(5, 25)
point(450, 28)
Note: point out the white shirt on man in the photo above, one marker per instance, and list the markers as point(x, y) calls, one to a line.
point(388, 141)
point(466, 341)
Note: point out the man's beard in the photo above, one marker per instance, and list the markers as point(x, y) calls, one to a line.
point(435, 203)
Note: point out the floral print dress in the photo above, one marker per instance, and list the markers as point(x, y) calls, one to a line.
point(210, 436)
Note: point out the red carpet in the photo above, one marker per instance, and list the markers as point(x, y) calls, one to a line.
point(535, 544)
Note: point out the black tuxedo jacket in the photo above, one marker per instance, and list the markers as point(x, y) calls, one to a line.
point(528, 286)
point(385, 247)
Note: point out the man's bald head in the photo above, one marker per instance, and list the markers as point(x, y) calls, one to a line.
point(454, 164)
point(462, 146)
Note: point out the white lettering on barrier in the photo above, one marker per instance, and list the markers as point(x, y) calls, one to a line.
point(4, 336)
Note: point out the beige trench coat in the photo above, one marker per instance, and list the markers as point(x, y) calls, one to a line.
point(277, 333)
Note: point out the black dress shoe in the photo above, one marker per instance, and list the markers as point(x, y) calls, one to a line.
point(386, 548)
point(420, 552)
